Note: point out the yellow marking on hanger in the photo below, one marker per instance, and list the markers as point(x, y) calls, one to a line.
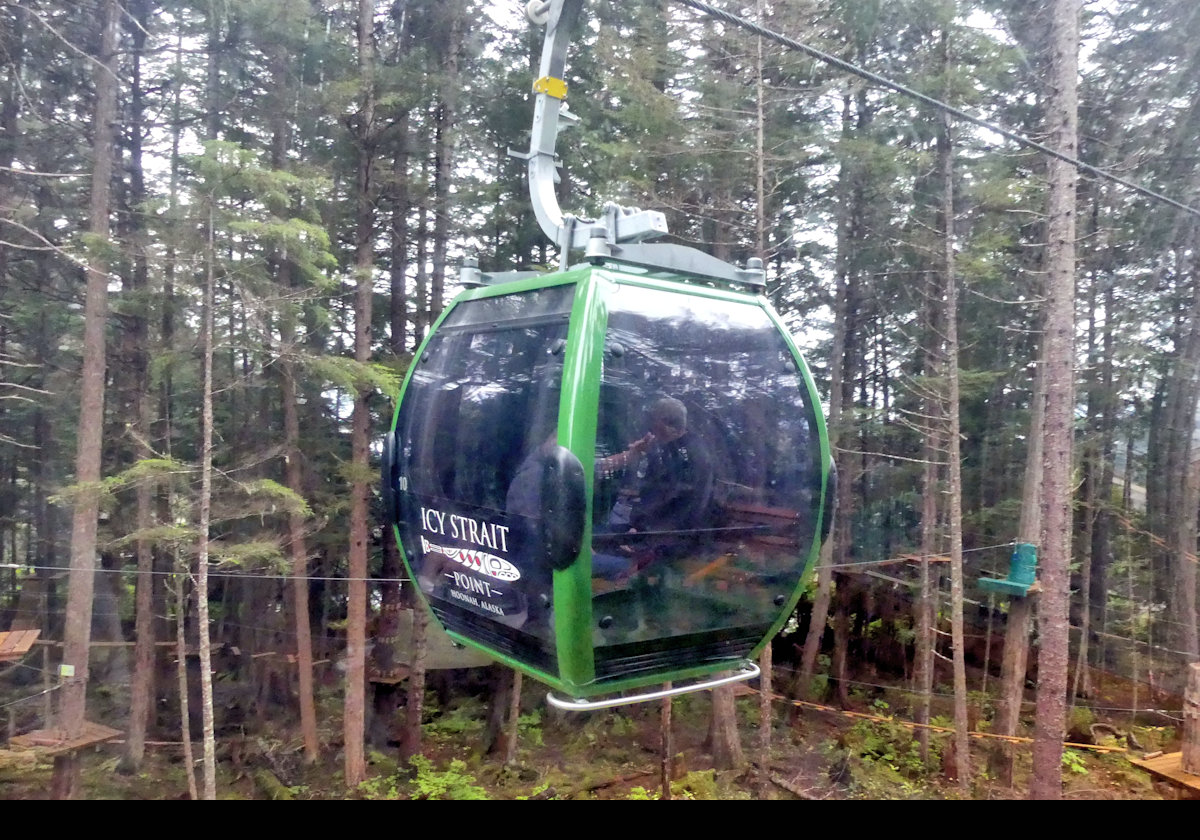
point(552, 87)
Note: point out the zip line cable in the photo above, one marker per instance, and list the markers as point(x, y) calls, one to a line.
point(855, 70)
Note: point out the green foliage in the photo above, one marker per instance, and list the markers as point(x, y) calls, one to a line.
point(462, 722)
point(1073, 760)
point(69, 494)
point(99, 248)
point(529, 727)
point(158, 535)
point(152, 471)
point(278, 496)
point(253, 553)
point(820, 678)
point(697, 784)
point(380, 787)
point(886, 743)
point(452, 783)
point(537, 790)
point(1081, 720)
point(344, 372)
point(425, 781)
point(622, 726)
point(353, 473)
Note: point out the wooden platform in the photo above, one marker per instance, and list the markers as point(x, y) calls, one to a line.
point(1168, 767)
point(52, 742)
point(393, 677)
point(14, 644)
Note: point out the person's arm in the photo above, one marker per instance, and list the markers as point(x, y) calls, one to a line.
point(623, 460)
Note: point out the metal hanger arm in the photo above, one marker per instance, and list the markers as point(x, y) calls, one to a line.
point(620, 224)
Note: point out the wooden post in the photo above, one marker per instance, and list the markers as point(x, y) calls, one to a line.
point(1190, 760)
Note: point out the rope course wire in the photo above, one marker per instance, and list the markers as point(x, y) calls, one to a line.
point(1012, 739)
point(26, 699)
point(1170, 713)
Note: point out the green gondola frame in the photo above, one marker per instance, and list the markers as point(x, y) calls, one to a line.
point(509, 479)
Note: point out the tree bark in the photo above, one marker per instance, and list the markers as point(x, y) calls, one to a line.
point(207, 338)
point(293, 454)
point(142, 688)
point(88, 451)
point(1058, 353)
point(444, 127)
point(185, 717)
point(926, 640)
point(839, 392)
point(299, 550)
point(411, 744)
point(765, 711)
point(356, 625)
point(953, 439)
point(1190, 758)
point(725, 742)
point(401, 205)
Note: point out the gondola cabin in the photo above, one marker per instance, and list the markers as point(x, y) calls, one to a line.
point(610, 476)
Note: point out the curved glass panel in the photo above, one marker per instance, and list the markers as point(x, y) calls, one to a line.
point(479, 409)
point(707, 479)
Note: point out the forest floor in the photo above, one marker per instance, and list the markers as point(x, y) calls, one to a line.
point(616, 754)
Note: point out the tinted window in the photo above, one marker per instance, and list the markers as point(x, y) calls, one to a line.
point(482, 400)
point(705, 524)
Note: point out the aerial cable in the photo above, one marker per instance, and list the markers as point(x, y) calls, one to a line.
point(853, 69)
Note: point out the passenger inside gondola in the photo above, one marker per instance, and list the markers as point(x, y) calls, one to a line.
point(674, 495)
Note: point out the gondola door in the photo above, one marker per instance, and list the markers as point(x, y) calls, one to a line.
point(481, 490)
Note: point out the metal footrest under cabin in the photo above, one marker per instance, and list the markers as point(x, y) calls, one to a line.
point(747, 671)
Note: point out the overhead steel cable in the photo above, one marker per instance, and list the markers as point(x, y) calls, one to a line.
point(904, 90)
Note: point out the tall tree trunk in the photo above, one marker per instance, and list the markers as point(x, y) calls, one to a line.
point(1058, 353)
point(839, 389)
point(444, 160)
point(401, 205)
point(1102, 550)
point(207, 338)
point(953, 446)
point(299, 550)
point(356, 625)
point(12, 45)
point(760, 158)
point(90, 425)
point(142, 690)
point(931, 493)
point(1176, 570)
point(294, 455)
point(411, 743)
point(1014, 665)
point(421, 308)
point(185, 717)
